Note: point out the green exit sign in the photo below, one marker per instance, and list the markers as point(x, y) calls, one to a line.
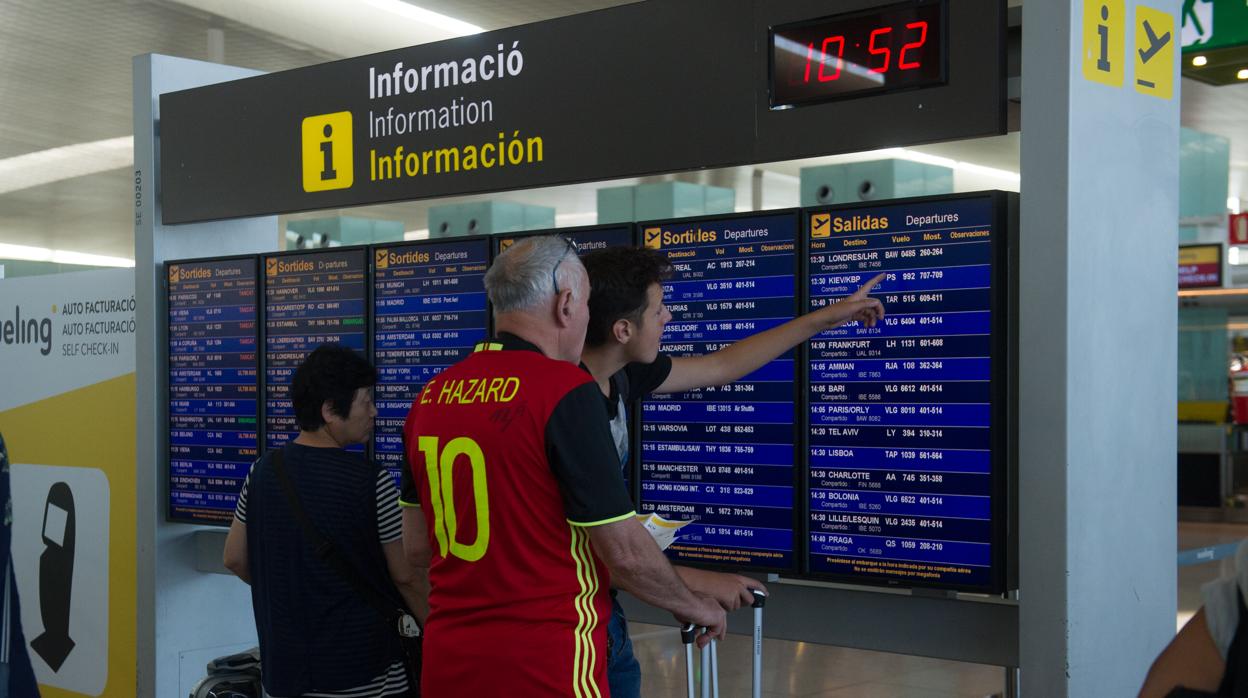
point(1215, 41)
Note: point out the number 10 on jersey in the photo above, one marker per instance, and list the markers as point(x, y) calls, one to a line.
point(440, 468)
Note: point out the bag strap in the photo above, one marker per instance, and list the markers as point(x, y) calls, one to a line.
point(329, 554)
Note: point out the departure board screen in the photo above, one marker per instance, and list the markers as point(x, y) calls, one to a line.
point(586, 239)
point(429, 310)
point(310, 299)
point(906, 431)
point(213, 386)
point(724, 457)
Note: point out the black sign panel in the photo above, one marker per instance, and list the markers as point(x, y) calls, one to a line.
point(310, 299)
point(213, 386)
point(650, 87)
point(429, 310)
point(907, 431)
point(725, 457)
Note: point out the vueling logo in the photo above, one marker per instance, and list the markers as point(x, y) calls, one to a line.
point(327, 152)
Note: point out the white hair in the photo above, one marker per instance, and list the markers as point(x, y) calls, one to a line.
point(523, 276)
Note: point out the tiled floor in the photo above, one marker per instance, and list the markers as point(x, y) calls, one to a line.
point(816, 671)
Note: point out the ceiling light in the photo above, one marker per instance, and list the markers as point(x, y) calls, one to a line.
point(420, 14)
point(65, 162)
point(1242, 74)
point(43, 254)
point(1200, 61)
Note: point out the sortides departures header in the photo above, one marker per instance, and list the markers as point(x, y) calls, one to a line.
point(568, 100)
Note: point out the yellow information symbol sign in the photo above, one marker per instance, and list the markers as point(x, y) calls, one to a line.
point(653, 238)
point(1154, 52)
point(327, 152)
point(1104, 35)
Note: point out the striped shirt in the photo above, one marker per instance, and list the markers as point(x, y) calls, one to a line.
point(392, 682)
point(389, 517)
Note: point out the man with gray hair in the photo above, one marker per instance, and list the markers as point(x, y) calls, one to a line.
point(517, 505)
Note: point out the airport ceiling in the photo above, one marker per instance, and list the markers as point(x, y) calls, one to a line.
point(65, 79)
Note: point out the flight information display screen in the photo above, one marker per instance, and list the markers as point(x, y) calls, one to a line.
point(213, 386)
point(906, 430)
point(586, 239)
point(724, 457)
point(429, 310)
point(310, 299)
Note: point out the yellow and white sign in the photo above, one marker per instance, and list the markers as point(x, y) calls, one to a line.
point(1104, 38)
point(1154, 52)
point(67, 416)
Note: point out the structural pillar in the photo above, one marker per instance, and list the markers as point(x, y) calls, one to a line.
point(1097, 344)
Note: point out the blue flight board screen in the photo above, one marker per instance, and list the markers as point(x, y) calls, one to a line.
point(586, 239)
point(310, 299)
point(429, 310)
point(724, 457)
point(905, 417)
point(213, 386)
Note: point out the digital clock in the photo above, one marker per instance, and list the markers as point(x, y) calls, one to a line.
point(877, 50)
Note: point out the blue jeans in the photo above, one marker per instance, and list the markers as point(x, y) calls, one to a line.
point(623, 670)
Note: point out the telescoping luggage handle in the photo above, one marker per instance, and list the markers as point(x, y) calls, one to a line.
point(710, 655)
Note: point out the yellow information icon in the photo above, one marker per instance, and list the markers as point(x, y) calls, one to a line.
point(328, 156)
point(1154, 52)
point(653, 238)
point(1104, 38)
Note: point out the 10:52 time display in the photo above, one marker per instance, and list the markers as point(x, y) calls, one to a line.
point(883, 49)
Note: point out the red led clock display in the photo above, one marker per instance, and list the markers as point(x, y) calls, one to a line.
point(883, 49)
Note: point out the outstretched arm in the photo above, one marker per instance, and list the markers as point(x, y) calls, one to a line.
point(733, 362)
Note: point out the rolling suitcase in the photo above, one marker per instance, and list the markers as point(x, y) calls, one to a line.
point(710, 656)
point(232, 676)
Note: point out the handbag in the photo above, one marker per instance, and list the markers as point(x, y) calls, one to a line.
point(405, 624)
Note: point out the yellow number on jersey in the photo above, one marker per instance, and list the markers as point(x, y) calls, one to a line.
point(439, 468)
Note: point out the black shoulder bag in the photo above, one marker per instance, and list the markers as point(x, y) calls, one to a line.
point(404, 623)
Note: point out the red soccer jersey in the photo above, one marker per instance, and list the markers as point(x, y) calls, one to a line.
point(512, 458)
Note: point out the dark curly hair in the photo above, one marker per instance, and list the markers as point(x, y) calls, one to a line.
point(331, 373)
point(619, 278)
